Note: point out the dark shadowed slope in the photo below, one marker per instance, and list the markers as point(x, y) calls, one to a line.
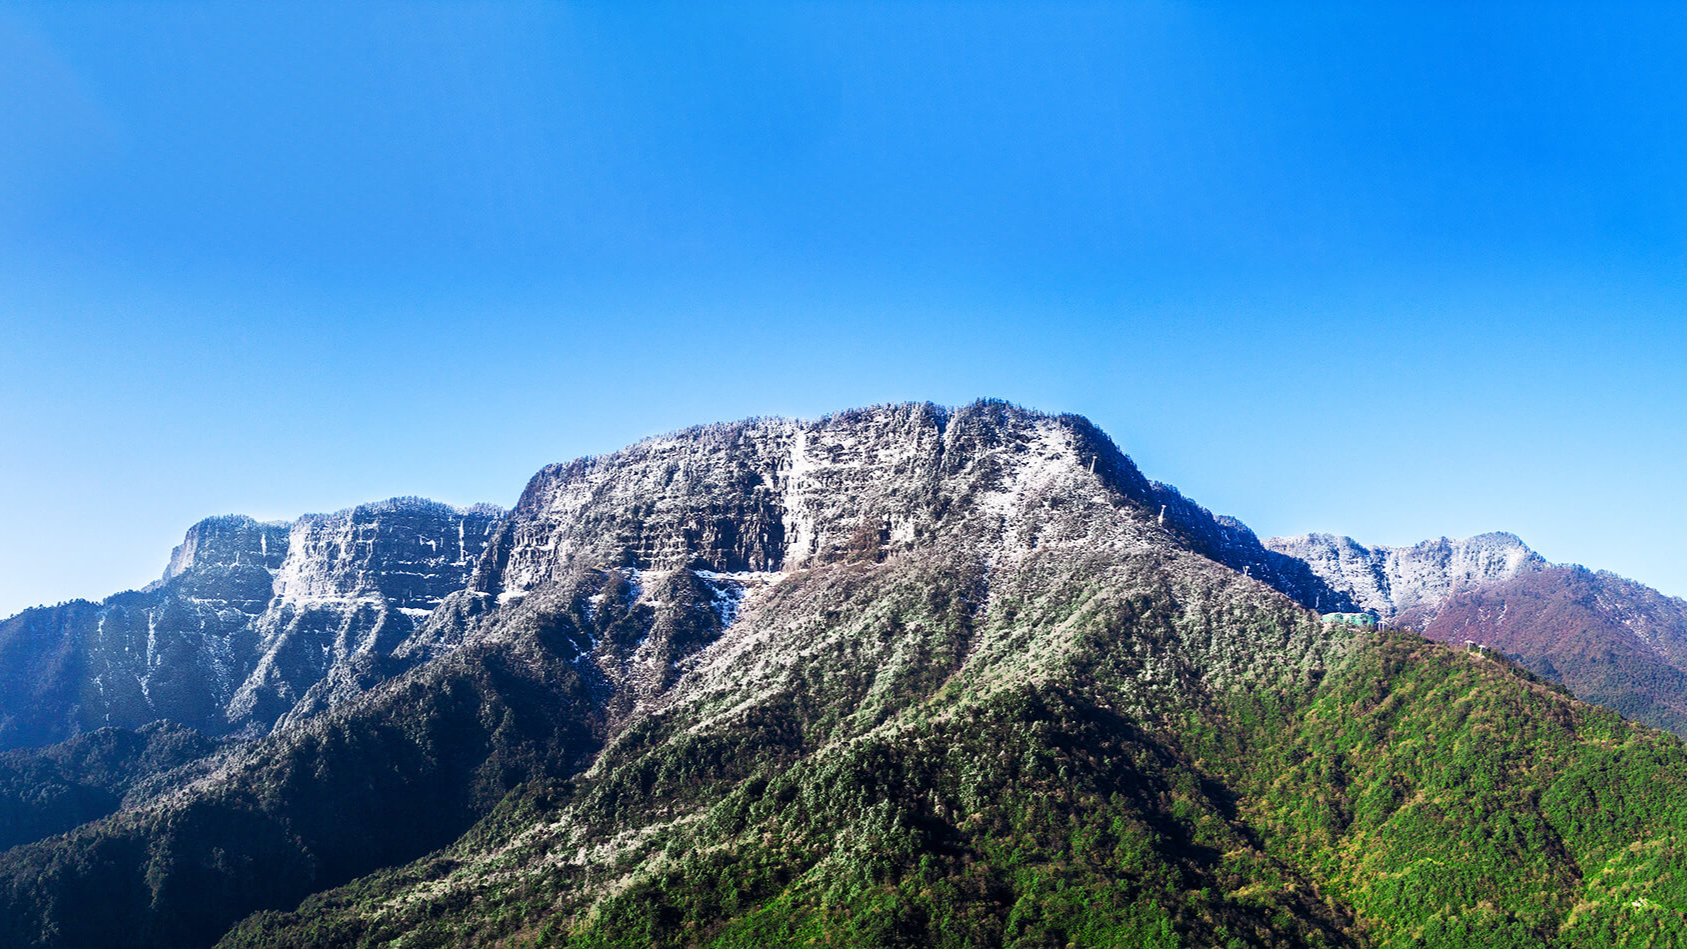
point(50, 790)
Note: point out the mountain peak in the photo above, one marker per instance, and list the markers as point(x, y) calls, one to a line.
point(771, 494)
point(226, 540)
point(247, 618)
point(1408, 584)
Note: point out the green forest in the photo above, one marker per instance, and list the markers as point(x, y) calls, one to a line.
point(1416, 796)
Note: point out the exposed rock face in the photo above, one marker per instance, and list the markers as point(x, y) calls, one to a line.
point(1409, 584)
point(701, 516)
point(246, 619)
point(354, 585)
point(781, 495)
point(229, 540)
point(408, 552)
point(748, 590)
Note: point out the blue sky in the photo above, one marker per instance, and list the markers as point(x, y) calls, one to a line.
point(1390, 273)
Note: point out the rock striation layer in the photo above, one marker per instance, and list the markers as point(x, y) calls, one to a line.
point(771, 495)
point(246, 619)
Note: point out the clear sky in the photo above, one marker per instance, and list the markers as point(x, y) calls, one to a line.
point(1389, 273)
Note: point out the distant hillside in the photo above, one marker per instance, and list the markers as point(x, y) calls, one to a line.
point(1612, 641)
point(1407, 585)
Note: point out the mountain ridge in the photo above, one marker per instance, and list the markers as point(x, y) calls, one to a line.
point(903, 675)
point(220, 642)
point(1613, 641)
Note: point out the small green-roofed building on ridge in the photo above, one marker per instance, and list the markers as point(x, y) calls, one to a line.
point(1351, 619)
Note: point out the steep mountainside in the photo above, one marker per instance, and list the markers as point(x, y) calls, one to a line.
point(902, 676)
point(246, 620)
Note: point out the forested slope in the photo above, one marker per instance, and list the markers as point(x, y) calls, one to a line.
point(1415, 796)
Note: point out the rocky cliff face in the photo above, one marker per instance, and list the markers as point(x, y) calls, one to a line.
point(230, 540)
point(245, 620)
point(781, 495)
point(766, 495)
point(968, 657)
point(744, 593)
point(1408, 584)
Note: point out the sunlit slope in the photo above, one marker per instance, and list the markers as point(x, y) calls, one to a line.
point(1416, 796)
point(987, 744)
point(1452, 799)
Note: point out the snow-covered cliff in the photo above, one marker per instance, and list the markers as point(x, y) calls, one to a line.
point(247, 617)
point(255, 624)
point(1409, 584)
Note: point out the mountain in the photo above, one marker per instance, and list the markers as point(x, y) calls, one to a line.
point(1408, 584)
point(247, 620)
point(901, 676)
point(1612, 641)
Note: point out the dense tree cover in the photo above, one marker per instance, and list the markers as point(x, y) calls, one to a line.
point(1453, 799)
point(50, 790)
point(1417, 796)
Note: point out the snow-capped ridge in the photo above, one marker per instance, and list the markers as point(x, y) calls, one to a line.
point(246, 618)
point(1409, 584)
